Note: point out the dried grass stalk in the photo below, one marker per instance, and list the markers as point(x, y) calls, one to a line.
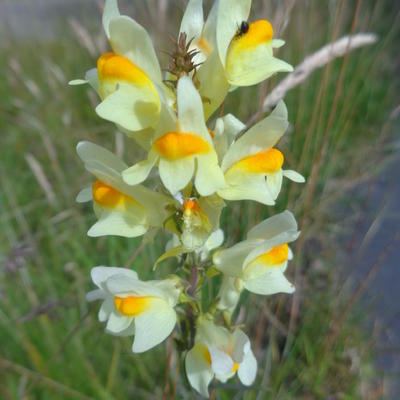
point(317, 60)
point(41, 178)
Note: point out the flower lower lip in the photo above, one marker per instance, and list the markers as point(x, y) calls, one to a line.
point(176, 145)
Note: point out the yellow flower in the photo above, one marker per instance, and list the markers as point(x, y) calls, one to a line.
point(253, 167)
point(183, 148)
point(246, 48)
point(260, 261)
point(232, 52)
point(126, 79)
point(121, 209)
point(221, 354)
point(134, 307)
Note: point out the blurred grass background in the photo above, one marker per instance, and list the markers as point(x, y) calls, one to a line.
point(309, 346)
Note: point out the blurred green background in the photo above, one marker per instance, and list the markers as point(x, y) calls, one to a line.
point(317, 344)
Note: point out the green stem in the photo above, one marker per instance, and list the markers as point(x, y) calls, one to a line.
point(194, 274)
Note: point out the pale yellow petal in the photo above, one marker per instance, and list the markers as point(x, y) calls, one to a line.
point(110, 12)
point(274, 182)
point(294, 176)
point(276, 43)
point(119, 224)
point(84, 195)
point(190, 110)
point(90, 152)
point(261, 136)
point(230, 261)
point(210, 26)
point(254, 66)
point(76, 82)
point(130, 39)
point(231, 14)
point(134, 108)
point(209, 176)
point(175, 175)
point(198, 368)
point(153, 326)
point(100, 274)
point(140, 171)
point(241, 186)
point(193, 20)
point(268, 281)
point(214, 85)
point(273, 226)
point(247, 371)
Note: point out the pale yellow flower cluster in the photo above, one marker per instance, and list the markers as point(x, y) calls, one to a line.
point(200, 162)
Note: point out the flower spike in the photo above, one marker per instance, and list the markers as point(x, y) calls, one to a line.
point(190, 169)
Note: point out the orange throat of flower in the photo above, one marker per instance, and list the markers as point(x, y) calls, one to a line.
point(132, 306)
point(113, 66)
point(259, 32)
point(114, 70)
point(264, 162)
point(106, 196)
point(174, 146)
point(276, 256)
point(194, 217)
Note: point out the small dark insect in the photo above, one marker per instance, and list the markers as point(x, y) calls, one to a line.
point(244, 27)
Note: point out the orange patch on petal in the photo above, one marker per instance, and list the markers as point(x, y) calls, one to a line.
point(175, 145)
point(206, 355)
point(132, 306)
point(111, 66)
point(259, 32)
point(277, 255)
point(190, 206)
point(106, 196)
point(235, 367)
point(192, 213)
point(203, 45)
point(266, 162)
